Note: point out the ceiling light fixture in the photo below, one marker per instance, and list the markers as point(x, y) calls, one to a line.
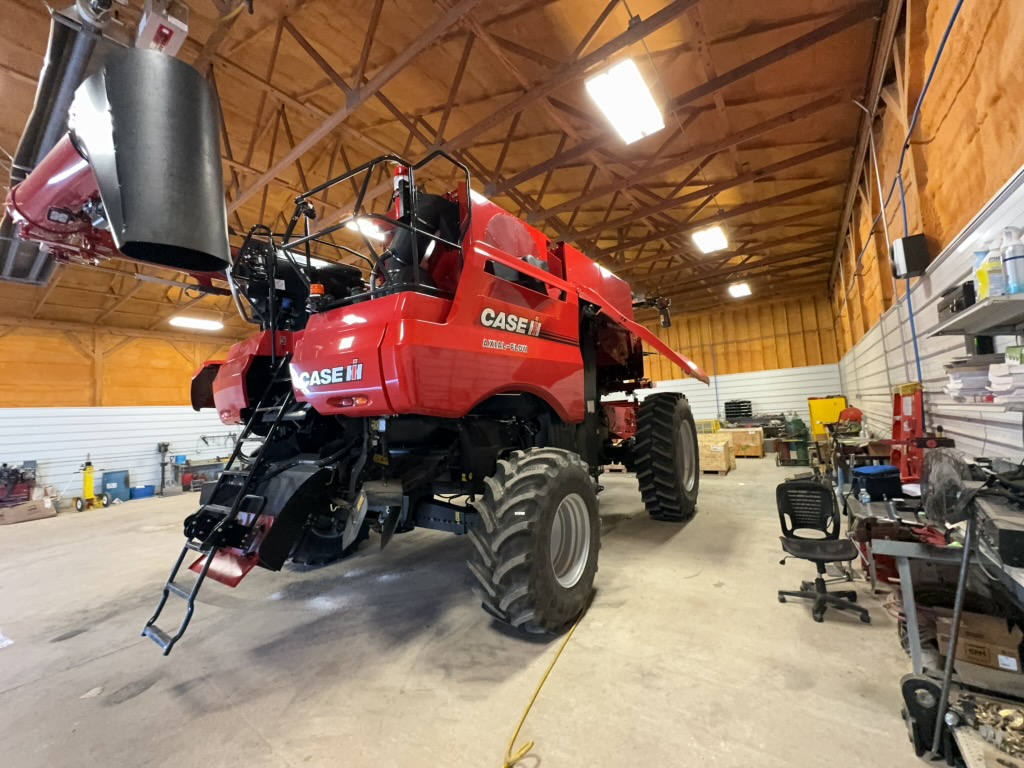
point(367, 227)
point(622, 95)
point(711, 239)
point(739, 290)
point(196, 323)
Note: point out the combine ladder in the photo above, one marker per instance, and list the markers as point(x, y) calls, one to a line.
point(226, 528)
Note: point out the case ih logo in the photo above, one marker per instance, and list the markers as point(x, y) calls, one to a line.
point(339, 375)
point(503, 321)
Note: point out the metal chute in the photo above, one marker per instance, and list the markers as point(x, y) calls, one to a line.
point(149, 127)
point(76, 45)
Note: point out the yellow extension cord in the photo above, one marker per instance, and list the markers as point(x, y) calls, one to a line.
point(512, 759)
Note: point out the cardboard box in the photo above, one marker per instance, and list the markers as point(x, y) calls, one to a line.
point(984, 640)
point(716, 453)
point(748, 443)
point(1011, 683)
point(30, 510)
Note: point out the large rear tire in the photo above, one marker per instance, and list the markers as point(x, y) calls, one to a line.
point(666, 457)
point(535, 548)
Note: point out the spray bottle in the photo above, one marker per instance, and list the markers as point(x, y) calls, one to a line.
point(1013, 260)
point(991, 277)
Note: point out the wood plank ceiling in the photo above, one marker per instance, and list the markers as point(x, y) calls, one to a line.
point(759, 137)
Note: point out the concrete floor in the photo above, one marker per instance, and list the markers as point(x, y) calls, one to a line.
point(685, 658)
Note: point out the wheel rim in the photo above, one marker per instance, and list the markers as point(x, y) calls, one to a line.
point(688, 454)
point(570, 540)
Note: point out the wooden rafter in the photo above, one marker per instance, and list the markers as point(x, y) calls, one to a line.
point(453, 92)
point(698, 153)
point(573, 70)
point(738, 210)
point(448, 19)
point(760, 173)
point(371, 33)
point(713, 86)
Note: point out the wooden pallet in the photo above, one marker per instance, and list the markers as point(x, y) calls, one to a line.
point(720, 472)
point(750, 455)
point(615, 468)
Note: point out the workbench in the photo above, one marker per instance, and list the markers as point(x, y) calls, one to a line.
point(1011, 579)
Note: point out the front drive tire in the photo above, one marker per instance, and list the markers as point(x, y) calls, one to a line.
point(535, 547)
point(666, 457)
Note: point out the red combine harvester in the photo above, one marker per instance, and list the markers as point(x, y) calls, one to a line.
point(455, 383)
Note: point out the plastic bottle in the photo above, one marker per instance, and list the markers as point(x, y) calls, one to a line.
point(991, 276)
point(979, 260)
point(1013, 260)
point(864, 497)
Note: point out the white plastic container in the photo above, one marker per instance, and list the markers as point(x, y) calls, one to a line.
point(979, 261)
point(1013, 260)
point(991, 277)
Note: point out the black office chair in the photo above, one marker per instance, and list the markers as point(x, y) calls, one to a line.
point(809, 506)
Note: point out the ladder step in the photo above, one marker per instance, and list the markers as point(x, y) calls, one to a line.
point(217, 509)
point(267, 408)
point(195, 546)
point(157, 635)
point(179, 591)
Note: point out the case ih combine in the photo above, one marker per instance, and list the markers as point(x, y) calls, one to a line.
point(456, 386)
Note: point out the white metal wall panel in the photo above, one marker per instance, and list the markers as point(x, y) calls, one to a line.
point(115, 438)
point(884, 357)
point(778, 391)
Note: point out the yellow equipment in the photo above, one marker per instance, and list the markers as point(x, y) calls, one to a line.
point(89, 499)
point(824, 410)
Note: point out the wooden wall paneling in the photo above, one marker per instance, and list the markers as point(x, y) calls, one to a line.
point(762, 334)
point(55, 367)
point(707, 339)
point(147, 372)
point(730, 355)
point(782, 331)
point(809, 321)
point(827, 333)
point(740, 341)
point(44, 369)
point(796, 337)
point(770, 354)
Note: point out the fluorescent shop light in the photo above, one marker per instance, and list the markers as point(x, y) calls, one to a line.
point(622, 95)
point(196, 323)
point(711, 239)
point(368, 228)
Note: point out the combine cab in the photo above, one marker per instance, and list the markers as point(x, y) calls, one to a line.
point(453, 380)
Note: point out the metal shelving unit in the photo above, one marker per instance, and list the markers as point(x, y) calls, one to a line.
point(996, 316)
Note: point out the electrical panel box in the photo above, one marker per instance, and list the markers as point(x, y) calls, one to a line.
point(909, 256)
point(164, 26)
